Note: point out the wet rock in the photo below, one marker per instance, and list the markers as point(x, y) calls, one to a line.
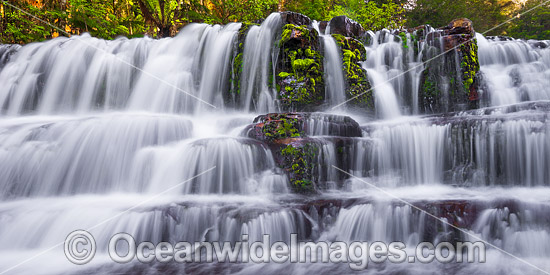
point(539, 44)
point(276, 128)
point(295, 18)
point(6, 51)
point(323, 26)
point(344, 26)
point(499, 38)
point(358, 87)
point(236, 66)
point(299, 72)
point(298, 149)
point(280, 127)
point(459, 26)
point(443, 88)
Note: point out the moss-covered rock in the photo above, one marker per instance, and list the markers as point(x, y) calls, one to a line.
point(288, 135)
point(469, 66)
point(358, 86)
point(299, 160)
point(276, 128)
point(279, 127)
point(299, 71)
point(450, 81)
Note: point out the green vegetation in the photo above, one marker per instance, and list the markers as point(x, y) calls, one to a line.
point(354, 52)
point(403, 37)
point(534, 24)
point(225, 11)
point(18, 27)
point(373, 15)
point(162, 18)
point(301, 73)
point(469, 63)
point(300, 162)
point(283, 127)
point(485, 14)
point(237, 67)
point(430, 89)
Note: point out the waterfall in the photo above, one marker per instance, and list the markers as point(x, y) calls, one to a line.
point(257, 56)
point(384, 61)
point(514, 70)
point(150, 137)
point(335, 85)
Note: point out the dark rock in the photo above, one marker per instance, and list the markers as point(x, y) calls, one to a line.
point(499, 38)
point(459, 26)
point(295, 18)
point(358, 87)
point(539, 44)
point(277, 128)
point(323, 26)
point(346, 27)
point(232, 96)
point(6, 51)
point(459, 90)
point(291, 138)
point(299, 70)
point(281, 127)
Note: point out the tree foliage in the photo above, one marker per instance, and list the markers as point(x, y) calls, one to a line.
point(97, 17)
point(372, 15)
point(315, 9)
point(19, 27)
point(533, 22)
point(225, 11)
point(485, 14)
point(161, 18)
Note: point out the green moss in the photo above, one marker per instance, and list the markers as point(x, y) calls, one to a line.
point(303, 64)
point(284, 74)
point(430, 89)
point(300, 163)
point(353, 52)
point(403, 37)
point(310, 53)
point(237, 71)
point(287, 32)
point(282, 127)
point(469, 63)
point(300, 68)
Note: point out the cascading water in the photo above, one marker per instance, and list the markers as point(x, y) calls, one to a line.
point(258, 52)
point(108, 136)
point(384, 62)
point(334, 77)
point(514, 70)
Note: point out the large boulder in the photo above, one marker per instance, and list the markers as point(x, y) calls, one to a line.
point(358, 87)
point(295, 142)
point(323, 26)
point(299, 70)
point(295, 18)
point(443, 88)
point(459, 26)
point(280, 128)
point(344, 26)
